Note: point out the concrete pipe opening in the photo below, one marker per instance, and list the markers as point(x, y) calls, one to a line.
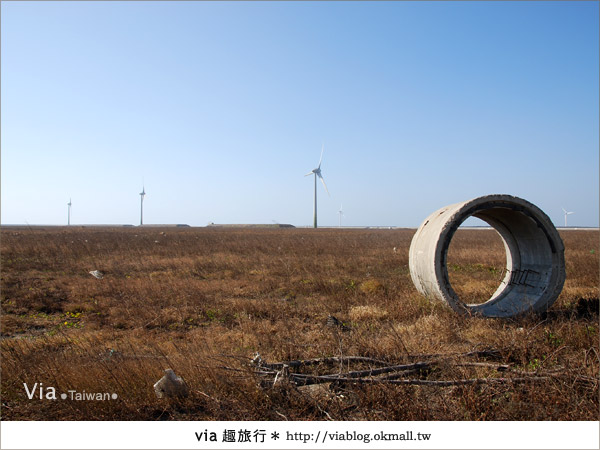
point(535, 265)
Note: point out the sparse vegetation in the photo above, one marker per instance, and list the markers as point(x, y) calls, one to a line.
point(204, 301)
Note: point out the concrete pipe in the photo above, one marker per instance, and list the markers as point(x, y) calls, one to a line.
point(535, 262)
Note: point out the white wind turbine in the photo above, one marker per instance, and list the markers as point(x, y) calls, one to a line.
point(566, 214)
point(142, 195)
point(317, 173)
point(69, 216)
point(341, 213)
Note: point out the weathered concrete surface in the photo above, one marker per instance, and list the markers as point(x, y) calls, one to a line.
point(535, 264)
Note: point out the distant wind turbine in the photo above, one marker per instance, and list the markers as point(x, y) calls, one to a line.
point(69, 217)
point(142, 195)
point(566, 214)
point(341, 213)
point(317, 173)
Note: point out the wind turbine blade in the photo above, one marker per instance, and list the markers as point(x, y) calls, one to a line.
point(323, 181)
point(321, 158)
point(309, 173)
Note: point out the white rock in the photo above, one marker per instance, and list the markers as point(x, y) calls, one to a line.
point(170, 386)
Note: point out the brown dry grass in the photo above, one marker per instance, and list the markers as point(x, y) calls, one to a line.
point(200, 300)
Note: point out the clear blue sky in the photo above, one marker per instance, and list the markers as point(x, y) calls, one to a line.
point(221, 108)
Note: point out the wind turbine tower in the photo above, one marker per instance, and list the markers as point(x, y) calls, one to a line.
point(69, 216)
point(142, 195)
point(566, 214)
point(317, 173)
point(341, 213)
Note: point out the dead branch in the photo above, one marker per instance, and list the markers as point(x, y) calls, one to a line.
point(316, 379)
point(470, 381)
point(402, 374)
point(397, 373)
point(488, 353)
point(305, 379)
point(498, 367)
point(315, 361)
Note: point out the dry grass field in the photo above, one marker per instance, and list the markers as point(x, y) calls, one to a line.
point(204, 301)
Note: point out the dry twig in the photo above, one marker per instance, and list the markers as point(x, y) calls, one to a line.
point(397, 373)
